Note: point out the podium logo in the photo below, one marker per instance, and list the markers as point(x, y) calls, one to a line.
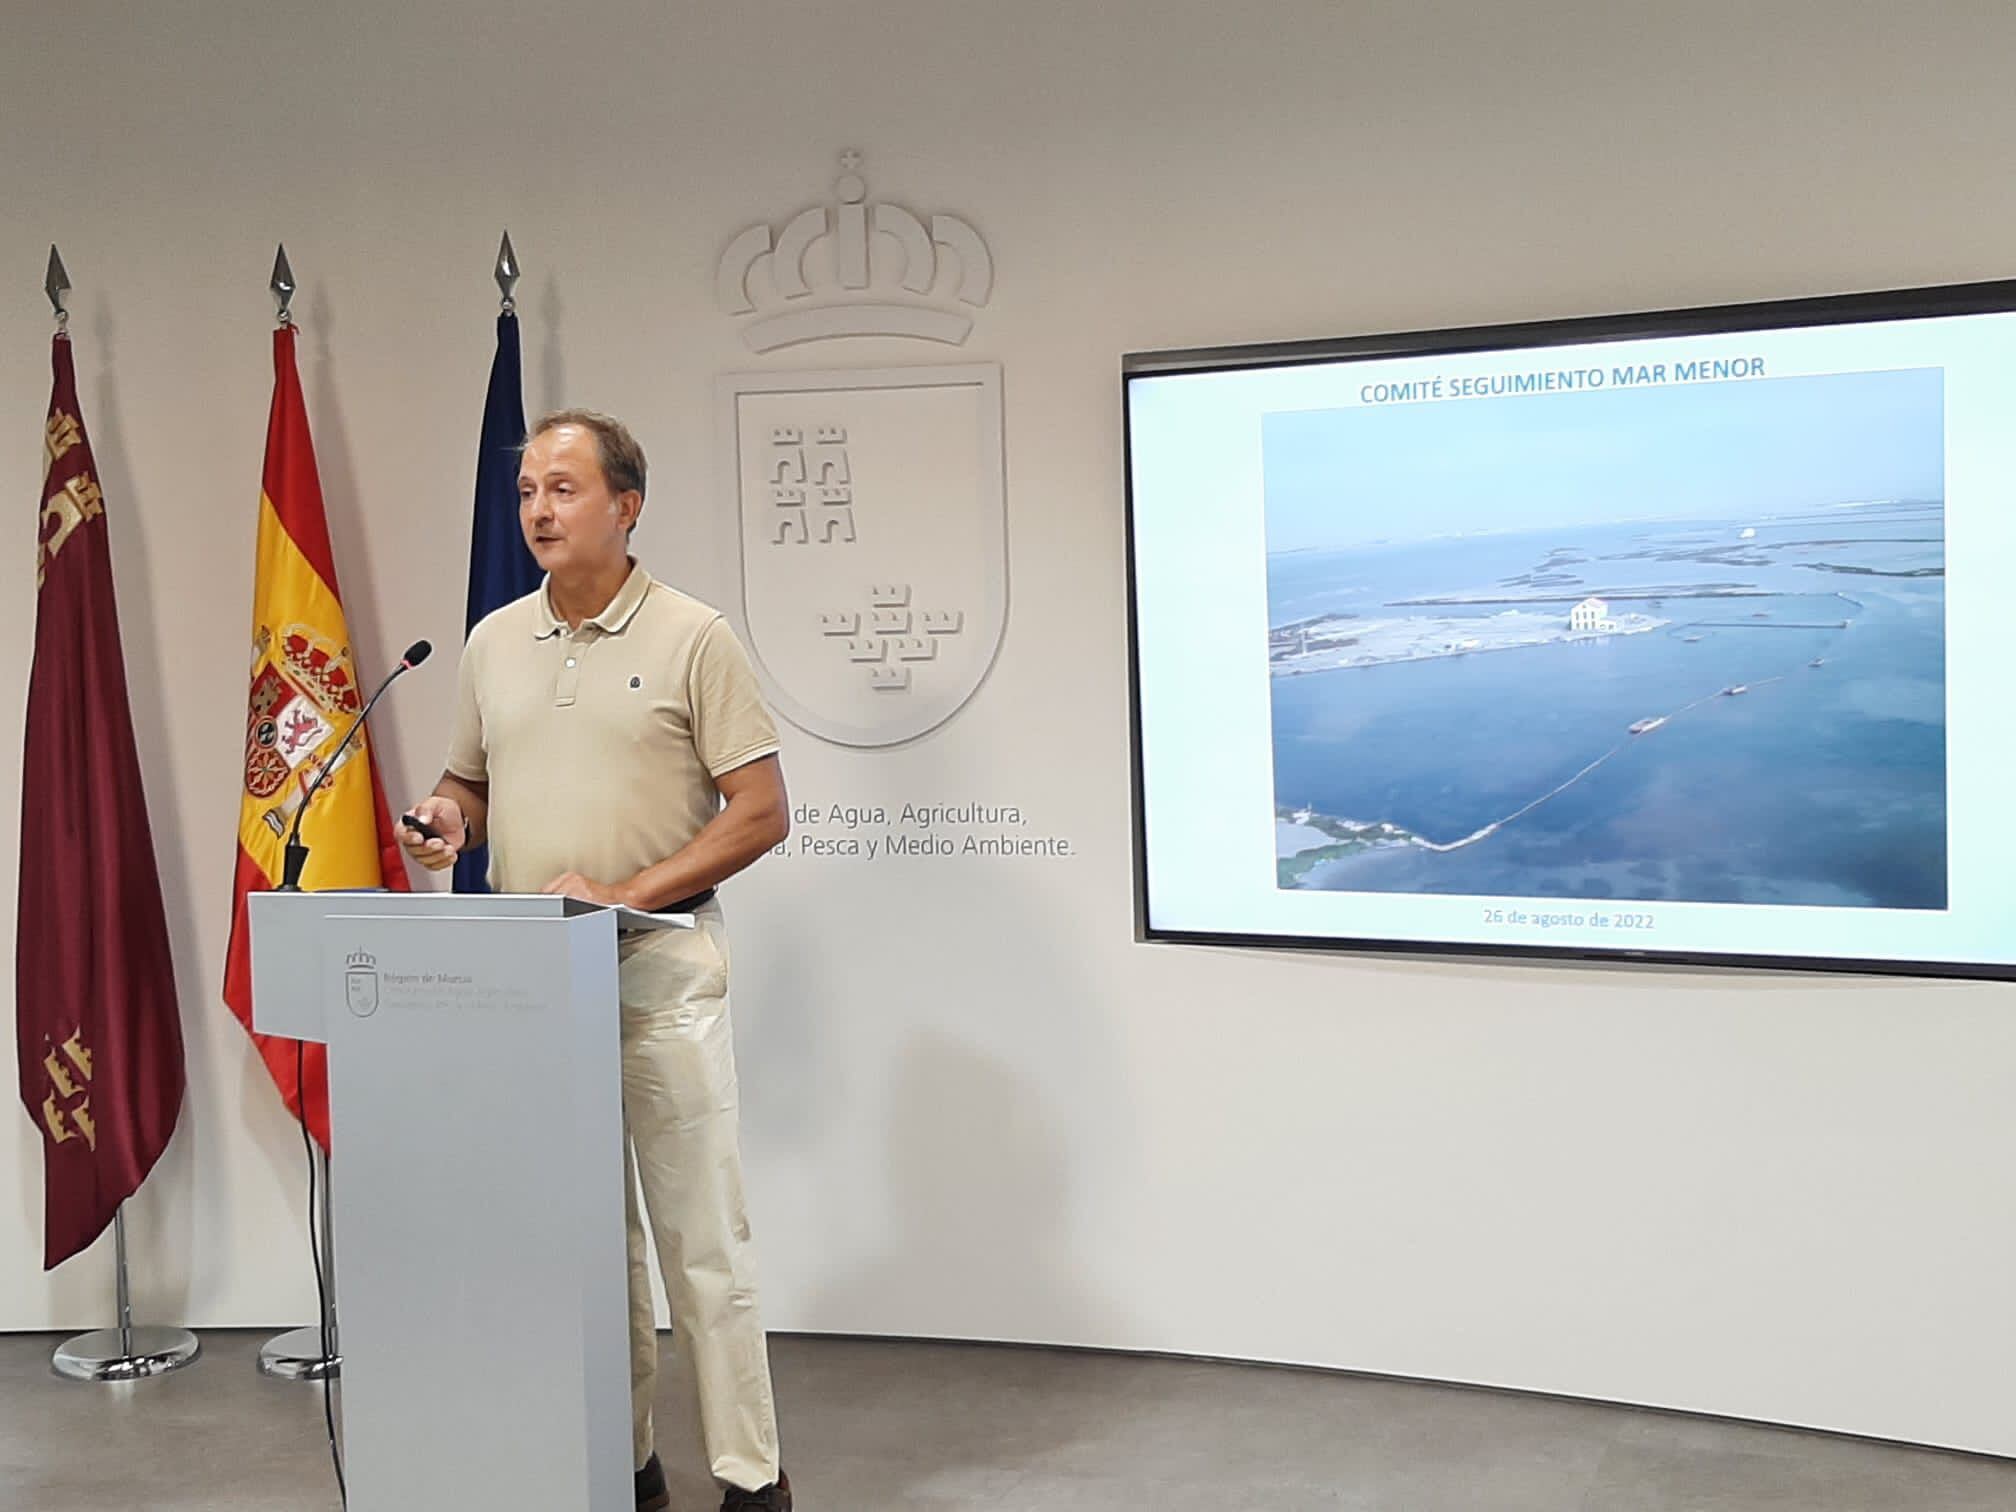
point(360, 983)
point(849, 268)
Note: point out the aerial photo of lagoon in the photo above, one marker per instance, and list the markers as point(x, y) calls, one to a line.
point(1675, 643)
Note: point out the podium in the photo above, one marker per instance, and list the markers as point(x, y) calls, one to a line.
point(475, 1091)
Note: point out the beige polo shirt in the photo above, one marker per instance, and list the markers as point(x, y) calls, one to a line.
point(601, 745)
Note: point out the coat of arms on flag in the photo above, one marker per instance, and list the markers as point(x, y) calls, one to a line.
point(303, 696)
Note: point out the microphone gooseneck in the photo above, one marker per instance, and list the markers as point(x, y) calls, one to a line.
point(296, 856)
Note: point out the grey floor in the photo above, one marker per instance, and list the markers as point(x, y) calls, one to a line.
point(891, 1427)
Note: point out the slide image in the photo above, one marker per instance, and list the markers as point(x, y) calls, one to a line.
point(1670, 643)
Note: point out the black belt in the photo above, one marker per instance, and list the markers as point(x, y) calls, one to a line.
point(686, 905)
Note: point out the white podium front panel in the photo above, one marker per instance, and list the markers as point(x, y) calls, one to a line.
point(475, 1089)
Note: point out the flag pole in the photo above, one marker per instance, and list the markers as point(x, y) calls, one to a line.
point(308, 1353)
point(123, 1285)
point(124, 1353)
point(501, 566)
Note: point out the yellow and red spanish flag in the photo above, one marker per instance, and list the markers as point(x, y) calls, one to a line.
point(97, 1026)
point(304, 695)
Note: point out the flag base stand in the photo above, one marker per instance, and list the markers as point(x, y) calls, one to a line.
point(297, 1356)
point(131, 1354)
point(311, 1353)
point(124, 1353)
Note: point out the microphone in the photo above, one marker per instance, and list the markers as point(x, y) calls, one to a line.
point(297, 854)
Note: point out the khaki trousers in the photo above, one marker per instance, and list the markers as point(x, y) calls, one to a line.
point(679, 1112)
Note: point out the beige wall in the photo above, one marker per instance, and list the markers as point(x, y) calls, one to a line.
point(976, 1107)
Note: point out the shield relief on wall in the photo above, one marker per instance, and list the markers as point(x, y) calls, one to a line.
point(872, 524)
point(873, 543)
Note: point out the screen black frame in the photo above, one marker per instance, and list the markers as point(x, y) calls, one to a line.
point(1980, 298)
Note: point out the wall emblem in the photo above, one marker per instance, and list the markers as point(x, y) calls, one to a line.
point(872, 523)
point(850, 268)
point(873, 542)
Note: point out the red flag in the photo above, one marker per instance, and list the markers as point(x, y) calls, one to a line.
point(304, 695)
point(98, 1033)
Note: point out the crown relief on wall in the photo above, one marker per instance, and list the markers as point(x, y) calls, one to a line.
point(851, 268)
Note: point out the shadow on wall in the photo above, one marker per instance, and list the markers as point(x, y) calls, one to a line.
point(978, 1207)
point(552, 359)
point(372, 650)
point(902, 1060)
point(975, 1246)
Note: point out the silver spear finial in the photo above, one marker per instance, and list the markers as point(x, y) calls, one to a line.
point(507, 272)
point(283, 285)
point(56, 285)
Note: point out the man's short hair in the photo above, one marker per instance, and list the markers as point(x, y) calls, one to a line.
point(621, 457)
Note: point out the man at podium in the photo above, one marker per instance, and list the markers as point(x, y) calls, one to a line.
point(610, 744)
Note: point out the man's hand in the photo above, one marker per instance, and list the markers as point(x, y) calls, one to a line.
point(574, 885)
point(445, 816)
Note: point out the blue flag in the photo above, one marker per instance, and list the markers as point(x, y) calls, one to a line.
point(500, 567)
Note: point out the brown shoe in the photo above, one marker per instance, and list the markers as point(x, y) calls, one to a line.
point(772, 1498)
point(652, 1495)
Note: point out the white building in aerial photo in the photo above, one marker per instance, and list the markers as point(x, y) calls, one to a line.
point(1591, 614)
